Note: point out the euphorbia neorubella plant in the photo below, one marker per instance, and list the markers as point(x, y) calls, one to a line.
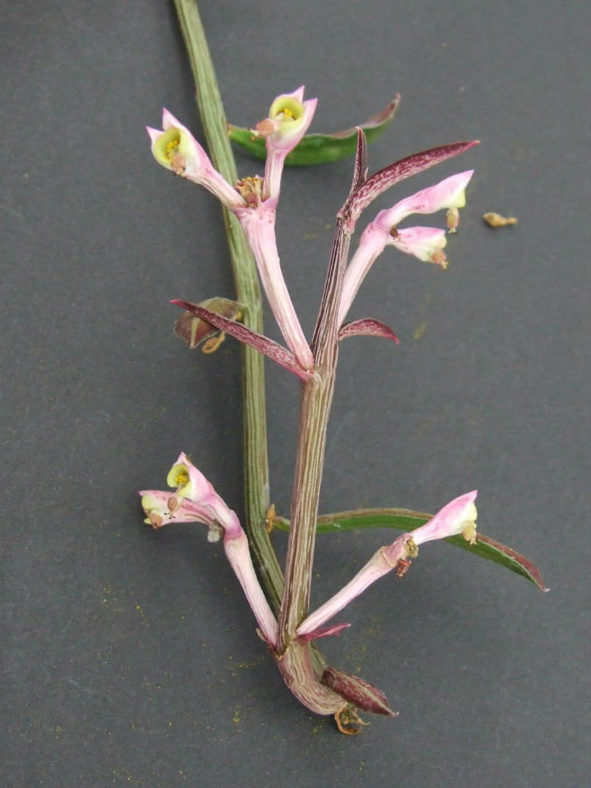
point(291, 629)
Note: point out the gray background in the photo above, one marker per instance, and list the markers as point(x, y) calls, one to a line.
point(130, 656)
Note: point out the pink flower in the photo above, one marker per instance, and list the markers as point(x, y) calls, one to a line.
point(175, 148)
point(253, 200)
point(448, 193)
point(457, 517)
point(425, 243)
point(161, 508)
point(189, 482)
point(288, 121)
point(195, 500)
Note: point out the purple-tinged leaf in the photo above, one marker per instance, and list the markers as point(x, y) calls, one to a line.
point(520, 563)
point(382, 180)
point(360, 167)
point(194, 330)
point(376, 122)
point(263, 344)
point(357, 691)
point(369, 327)
point(324, 632)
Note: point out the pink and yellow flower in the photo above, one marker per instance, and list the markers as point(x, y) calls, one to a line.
point(425, 243)
point(252, 200)
point(176, 149)
point(288, 120)
point(195, 500)
point(457, 517)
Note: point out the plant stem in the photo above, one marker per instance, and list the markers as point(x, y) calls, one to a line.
point(315, 407)
point(256, 466)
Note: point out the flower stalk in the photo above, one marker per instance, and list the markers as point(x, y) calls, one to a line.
point(316, 400)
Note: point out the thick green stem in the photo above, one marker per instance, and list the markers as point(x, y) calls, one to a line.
point(256, 466)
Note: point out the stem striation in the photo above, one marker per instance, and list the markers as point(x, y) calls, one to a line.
point(256, 464)
point(303, 666)
point(316, 401)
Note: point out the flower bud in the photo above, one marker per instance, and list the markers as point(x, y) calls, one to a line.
point(457, 517)
point(426, 243)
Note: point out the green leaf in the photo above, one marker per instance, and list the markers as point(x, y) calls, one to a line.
point(319, 148)
point(408, 520)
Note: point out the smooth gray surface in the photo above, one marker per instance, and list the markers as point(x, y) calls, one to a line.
point(130, 656)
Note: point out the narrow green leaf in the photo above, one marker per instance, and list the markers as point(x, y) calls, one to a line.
point(408, 520)
point(319, 148)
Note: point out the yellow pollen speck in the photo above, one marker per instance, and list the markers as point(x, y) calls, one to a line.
point(269, 518)
point(182, 478)
point(420, 330)
point(287, 113)
point(172, 147)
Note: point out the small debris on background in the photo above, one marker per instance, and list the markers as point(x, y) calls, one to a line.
point(496, 220)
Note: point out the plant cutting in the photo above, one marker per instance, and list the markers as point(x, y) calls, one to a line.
point(280, 598)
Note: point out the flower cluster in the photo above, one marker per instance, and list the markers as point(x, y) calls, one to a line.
point(253, 200)
point(426, 243)
point(195, 500)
